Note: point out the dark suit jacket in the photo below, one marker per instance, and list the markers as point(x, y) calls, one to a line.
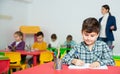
point(110, 22)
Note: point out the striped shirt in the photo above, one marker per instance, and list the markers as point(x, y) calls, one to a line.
point(100, 52)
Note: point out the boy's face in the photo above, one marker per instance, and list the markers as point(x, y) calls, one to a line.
point(40, 38)
point(53, 40)
point(68, 40)
point(89, 38)
point(17, 37)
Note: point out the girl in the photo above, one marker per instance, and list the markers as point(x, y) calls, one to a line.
point(18, 44)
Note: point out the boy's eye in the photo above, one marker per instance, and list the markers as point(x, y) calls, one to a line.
point(92, 35)
point(89, 35)
point(86, 35)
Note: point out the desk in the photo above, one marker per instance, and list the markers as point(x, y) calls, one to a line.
point(4, 64)
point(62, 50)
point(48, 69)
point(34, 53)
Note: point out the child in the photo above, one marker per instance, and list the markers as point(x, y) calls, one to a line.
point(69, 43)
point(18, 44)
point(91, 51)
point(38, 45)
point(54, 43)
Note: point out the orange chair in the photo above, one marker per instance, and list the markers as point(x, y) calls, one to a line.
point(15, 60)
point(46, 56)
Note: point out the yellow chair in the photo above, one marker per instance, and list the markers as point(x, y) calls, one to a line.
point(46, 56)
point(117, 62)
point(15, 60)
point(29, 29)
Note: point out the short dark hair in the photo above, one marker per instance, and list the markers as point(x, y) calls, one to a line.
point(53, 36)
point(91, 25)
point(40, 33)
point(69, 37)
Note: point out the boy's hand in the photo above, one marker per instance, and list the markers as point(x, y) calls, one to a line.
point(36, 49)
point(95, 65)
point(7, 49)
point(63, 46)
point(77, 62)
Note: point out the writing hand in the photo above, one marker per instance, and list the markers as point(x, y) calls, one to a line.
point(78, 62)
point(95, 65)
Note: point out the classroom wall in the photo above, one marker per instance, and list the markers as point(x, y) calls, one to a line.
point(12, 15)
point(65, 17)
point(62, 17)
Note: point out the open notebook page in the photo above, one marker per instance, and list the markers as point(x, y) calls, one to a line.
point(86, 66)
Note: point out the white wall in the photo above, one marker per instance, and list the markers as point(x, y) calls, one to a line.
point(18, 13)
point(65, 17)
point(62, 17)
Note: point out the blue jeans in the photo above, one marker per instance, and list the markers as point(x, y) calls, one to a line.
point(109, 43)
point(30, 61)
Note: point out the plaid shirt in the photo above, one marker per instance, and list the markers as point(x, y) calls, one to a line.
point(100, 52)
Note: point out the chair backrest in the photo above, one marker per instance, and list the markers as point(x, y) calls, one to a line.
point(46, 56)
point(15, 57)
point(29, 29)
point(63, 54)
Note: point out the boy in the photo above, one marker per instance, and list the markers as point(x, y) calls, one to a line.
point(39, 44)
point(54, 42)
point(69, 43)
point(91, 51)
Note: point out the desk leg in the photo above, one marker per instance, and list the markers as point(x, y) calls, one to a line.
point(34, 60)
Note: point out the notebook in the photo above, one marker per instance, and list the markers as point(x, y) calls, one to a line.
point(86, 66)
